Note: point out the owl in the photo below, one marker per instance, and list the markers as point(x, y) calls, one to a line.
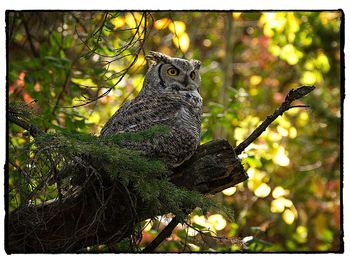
point(169, 97)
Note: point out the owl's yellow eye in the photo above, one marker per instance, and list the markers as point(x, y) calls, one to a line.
point(173, 71)
point(193, 75)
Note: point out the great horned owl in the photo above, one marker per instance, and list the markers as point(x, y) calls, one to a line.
point(169, 97)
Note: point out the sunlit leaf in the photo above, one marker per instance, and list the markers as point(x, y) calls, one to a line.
point(182, 42)
point(282, 131)
point(288, 216)
point(117, 22)
point(133, 19)
point(322, 62)
point(303, 118)
point(236, 15)
point(200, 220)
point(301, 234)
point(85, 82)
point(161, 23)
point(290, 54)
point(255, 79)
point(308, 78)
point(262, 191)
point(277, 205)
point(281, 157)
point(194, 247)
point(218, 221)
point(292, 132)
point(229, 191)
point(177, 27)
point(279, 192)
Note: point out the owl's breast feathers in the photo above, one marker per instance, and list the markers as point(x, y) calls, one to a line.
point(181, 112)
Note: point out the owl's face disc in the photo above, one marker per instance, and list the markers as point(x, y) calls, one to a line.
point(180, 75)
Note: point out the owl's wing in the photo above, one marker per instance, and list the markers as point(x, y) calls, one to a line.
point(140, 114)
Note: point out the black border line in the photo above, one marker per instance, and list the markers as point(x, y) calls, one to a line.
point(342, 97)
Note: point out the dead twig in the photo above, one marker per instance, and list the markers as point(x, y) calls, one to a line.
point(286, 105)
point(166, 232)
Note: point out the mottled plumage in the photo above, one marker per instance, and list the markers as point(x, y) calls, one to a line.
point(169, 97)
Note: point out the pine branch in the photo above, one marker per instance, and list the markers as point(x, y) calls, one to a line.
point(31, 128)
point(286, 105)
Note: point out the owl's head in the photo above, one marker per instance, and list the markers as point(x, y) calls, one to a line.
point(167, 74)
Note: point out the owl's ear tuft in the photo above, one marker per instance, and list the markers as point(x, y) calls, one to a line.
point(196, 64)
point(155, 57)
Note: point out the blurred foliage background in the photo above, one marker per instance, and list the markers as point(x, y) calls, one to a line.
point(75, 69)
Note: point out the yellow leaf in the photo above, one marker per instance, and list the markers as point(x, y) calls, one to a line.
point(303, 118)
point(118, 22)
point(85, 82)
point(283, 121)
point(161, 23)
point(279, 192)
point(229, 191)
point(308, 78)
point(253, 91)
point(236, 15)
point(194, 247)
point(288, 216)
point(255, 79)
point(292, 132)
point(177, 27)
point(322, 62)
point(94, 118)
point(274, 136)
point(273, 21)
point(200, 220)
point(275, 49)
point(262, 191)
point(301, 233)
point(182, 42)
point(277, 205)
point(281, 158)
point(218, 222)
point(133, 19)
point(290, 54)
point(256, 178)
point(282, 131)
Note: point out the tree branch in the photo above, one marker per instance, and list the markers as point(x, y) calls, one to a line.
point(286, 105)
point(166, 232)
point(29, 37)
point(33, 130)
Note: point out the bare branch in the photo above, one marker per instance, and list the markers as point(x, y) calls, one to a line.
point(166, 232)
point(286, 105)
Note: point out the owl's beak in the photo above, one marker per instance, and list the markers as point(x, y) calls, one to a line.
point(186, 80)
